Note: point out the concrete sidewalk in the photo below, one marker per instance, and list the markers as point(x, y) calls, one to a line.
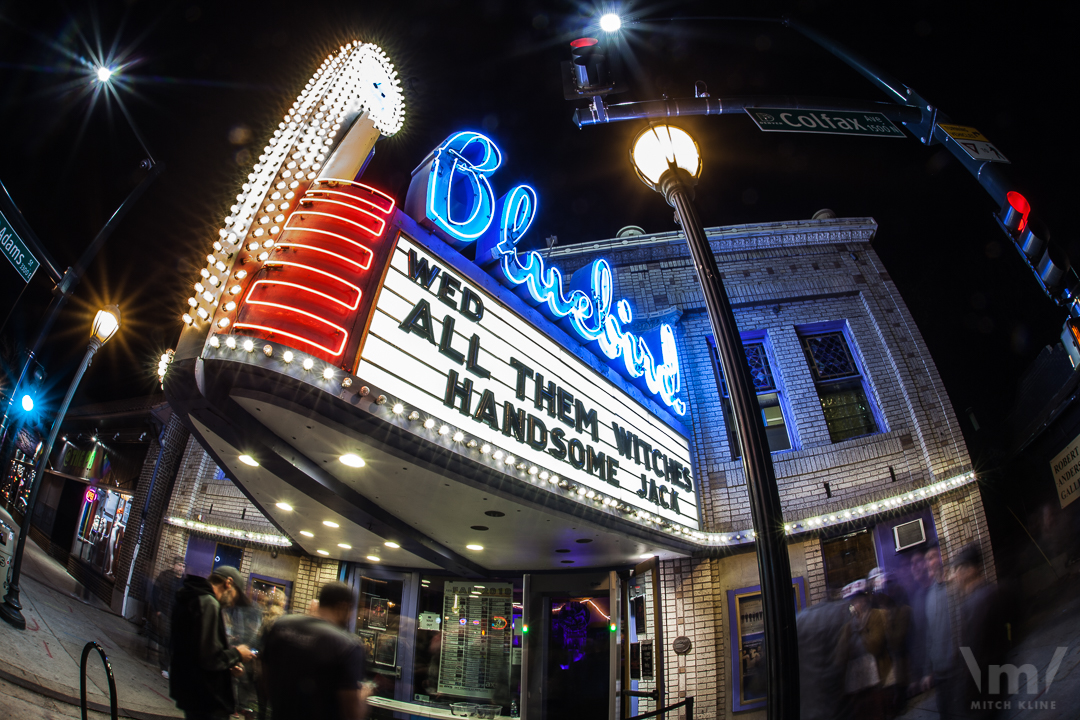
point(44, 658)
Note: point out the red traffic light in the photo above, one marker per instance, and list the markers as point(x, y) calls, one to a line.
point(583, 42)
point(1015, 212)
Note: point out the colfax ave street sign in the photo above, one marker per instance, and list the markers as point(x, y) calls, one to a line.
point(16, 251)
point(827, 122)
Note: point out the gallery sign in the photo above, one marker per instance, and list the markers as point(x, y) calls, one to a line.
point(1066, 469)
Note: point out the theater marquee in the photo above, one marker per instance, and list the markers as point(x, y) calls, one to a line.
point(447, 346)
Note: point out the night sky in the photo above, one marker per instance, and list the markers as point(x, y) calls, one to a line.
point(206, 82)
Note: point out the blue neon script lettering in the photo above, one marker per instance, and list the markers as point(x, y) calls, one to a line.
point(461, 203)
point(459, 196)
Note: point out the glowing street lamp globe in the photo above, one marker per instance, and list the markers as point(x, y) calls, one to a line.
point(662, 149)
point(106, 323)
point(104, 74)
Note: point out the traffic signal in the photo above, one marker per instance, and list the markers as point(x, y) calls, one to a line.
point(589, 71)
point(1032, 239)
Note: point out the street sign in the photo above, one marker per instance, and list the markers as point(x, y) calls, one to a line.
point(825, 122)
point(16, 251)
point(973, 142)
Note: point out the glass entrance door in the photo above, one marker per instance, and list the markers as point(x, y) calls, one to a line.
point(573, 659)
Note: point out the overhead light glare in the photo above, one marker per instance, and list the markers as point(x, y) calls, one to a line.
point(305, 533)
point(284, 506)
point(330, 523)
point(352, 460)
point(391, 544)
point(610, 22)
point(248, 460)
point(475, 547)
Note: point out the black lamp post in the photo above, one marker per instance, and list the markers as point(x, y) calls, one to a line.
point(106, 323)
point(668, 160)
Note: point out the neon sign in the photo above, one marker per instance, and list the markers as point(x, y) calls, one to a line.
point(459, 205)
point(91, 495)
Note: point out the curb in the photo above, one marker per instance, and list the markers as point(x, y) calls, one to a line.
point(23, 679)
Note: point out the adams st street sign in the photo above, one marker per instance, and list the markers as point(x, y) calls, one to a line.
point(16, 252)
point(825, 122)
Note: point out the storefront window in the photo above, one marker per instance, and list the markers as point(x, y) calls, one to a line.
point(102, 523)
point(848, 558)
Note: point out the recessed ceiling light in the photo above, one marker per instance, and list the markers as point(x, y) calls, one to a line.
point(475, 547)
point(322, 552)
point(373, 558)
point(330, 523)
point(478, 587)
point(343, 546)
point(305, 533)
point(391, 544)
point(248, 460)
point(284, 506)
point(646, 555)
point(352, 460)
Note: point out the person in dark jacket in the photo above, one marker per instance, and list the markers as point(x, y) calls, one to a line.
point(162, 597)
point(203, 664)
point(313, 666)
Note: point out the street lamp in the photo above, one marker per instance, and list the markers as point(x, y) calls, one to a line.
point(106, 323)
point(668, 160)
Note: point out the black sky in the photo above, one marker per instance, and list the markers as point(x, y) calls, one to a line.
point(211, 79)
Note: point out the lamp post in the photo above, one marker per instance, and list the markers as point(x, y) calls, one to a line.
point(106, 323)
point(668, 160)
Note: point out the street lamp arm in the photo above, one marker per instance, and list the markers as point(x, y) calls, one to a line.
point(677, 107)
point(110, 225)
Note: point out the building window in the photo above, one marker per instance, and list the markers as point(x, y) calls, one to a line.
point(769, 395)
point(840, 386)
point(848, 558)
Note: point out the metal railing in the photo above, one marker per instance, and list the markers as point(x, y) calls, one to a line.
point(108, 672)
point(688, 703)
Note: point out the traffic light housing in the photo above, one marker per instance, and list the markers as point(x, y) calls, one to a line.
point(589, 72)
point(1032, 239)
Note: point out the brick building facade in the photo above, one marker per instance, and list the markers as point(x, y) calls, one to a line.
point(788, 282)
point(866, 442)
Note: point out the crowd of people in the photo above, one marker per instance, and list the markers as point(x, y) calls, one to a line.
point(868, 653)
point(226, 654)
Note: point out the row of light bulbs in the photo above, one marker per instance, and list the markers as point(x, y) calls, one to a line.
point(294, 154)
point(234, 342)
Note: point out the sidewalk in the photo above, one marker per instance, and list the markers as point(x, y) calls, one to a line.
point(44, 658)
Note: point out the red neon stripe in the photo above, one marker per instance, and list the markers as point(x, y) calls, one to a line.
point(331, 298)
point(365, 248)
point(305, 213)
point(390, 202)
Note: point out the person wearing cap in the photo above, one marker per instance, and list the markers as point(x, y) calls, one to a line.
point(862, 652)
point(203, 664)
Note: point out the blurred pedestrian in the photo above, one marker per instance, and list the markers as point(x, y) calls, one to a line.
point(889, 597)
point(312, 665)
point(920, 584)
point(203, 664)
point(821, 679)
point(162, 598)
point(939, 665)
point(863, 654)
point(242, 620)
point(983, 638)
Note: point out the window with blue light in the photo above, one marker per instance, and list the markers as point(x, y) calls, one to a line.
point(841, 386)
point(770, 396)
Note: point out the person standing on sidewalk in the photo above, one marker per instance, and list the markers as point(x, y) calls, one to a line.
point(162, 598)
point(313, 667)
point(203, 664)
point(939, 663)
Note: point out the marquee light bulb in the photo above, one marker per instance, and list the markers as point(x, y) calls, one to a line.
point(249, 346)
point(398, 408)
point(308, 363)
point(287, 356)
point(230, 342)
point(429, 423)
